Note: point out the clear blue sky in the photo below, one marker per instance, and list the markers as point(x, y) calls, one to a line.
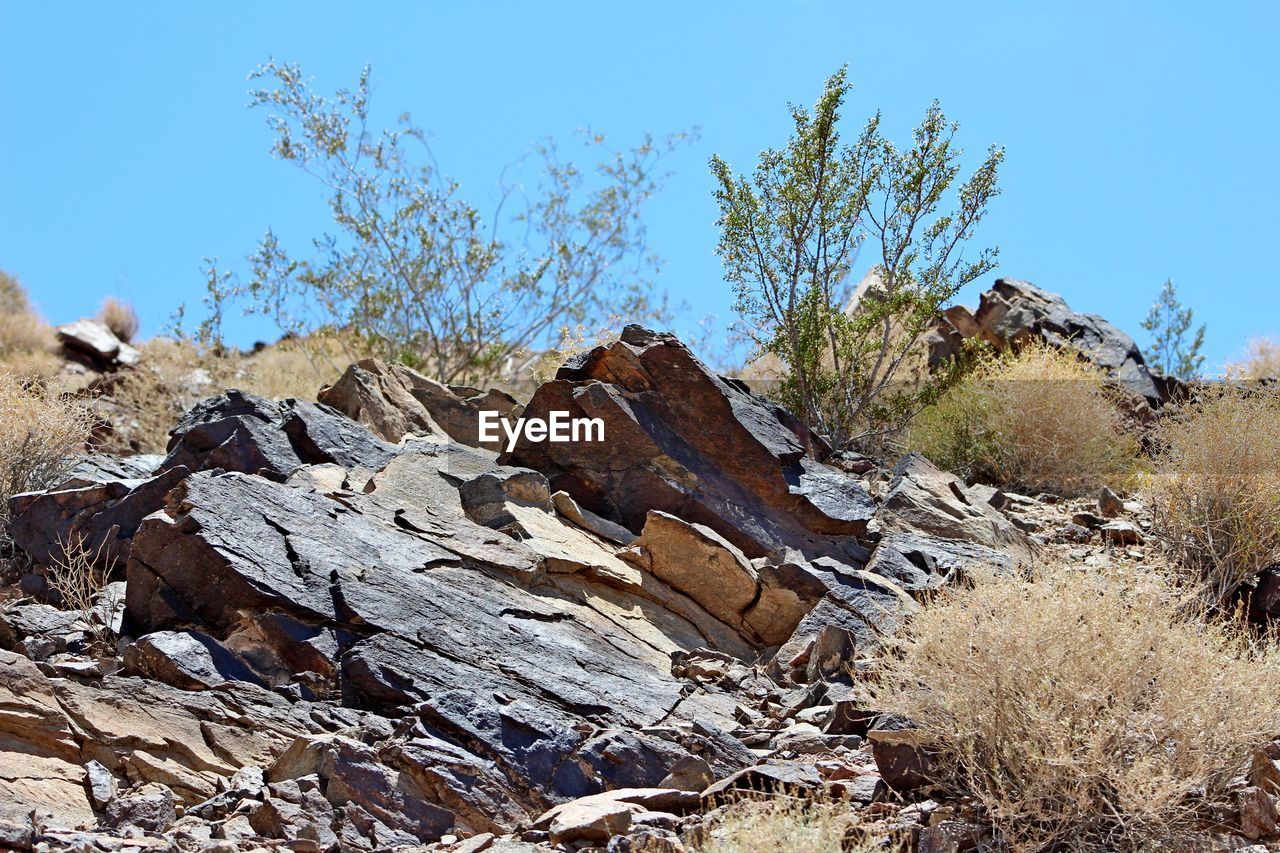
point(1141, 136)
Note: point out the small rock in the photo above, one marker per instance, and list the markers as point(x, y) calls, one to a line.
point(1121, 533)
point(151, 808)
point(1258, 814)
point(102, 785)
point(690, 773)
point(1109, 503)
point(901, 758)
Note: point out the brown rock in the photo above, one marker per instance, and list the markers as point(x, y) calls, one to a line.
point(1109, 503)
point(924, 499)
point(1258, 814)
point(902, 758)
point(680, 440)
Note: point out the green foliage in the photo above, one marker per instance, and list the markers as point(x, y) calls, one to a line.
point(791, 233)
point(416, 271)
point(1169, 325)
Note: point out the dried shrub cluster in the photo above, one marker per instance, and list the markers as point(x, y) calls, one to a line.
point(39, 432)
point(1216, 486)
point(28, 346)
point(1083, 710)
point(1040, 419)
point(119, 316)
point(783, 823)
point(1261, 360)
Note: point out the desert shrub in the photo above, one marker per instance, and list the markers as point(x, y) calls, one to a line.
point(573, 341)
point(782, 824)
point(1215, 490)
point(40, 431)
point(1082, 710)
point(28, 346)
point(791, 233)
point(419, 271)
point(81, 578)
point(119, 316)
point(1039, 419)
point(1261, 360)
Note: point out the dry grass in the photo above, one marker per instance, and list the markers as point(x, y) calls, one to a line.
point(1040, 420)
point(28, 345)
point(1261, 360)
point(81, 578)
point(119, 316)
point(147, 401)
point(39, 432)
point(1215, 490)
point(573, 342)
point(175, 374)
point(1088, 711)
point(783, 824)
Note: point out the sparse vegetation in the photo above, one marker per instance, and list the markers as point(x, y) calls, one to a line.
point(783, 824)
point(1084, 710)
point(28, 345)
point(1039, 419)
point(40, 430)
point(81, 577)
point(120, 317)
point(790, 235)
point(1172, 352)
point(1216, 487)
point(1261, 360)
point(417, 271)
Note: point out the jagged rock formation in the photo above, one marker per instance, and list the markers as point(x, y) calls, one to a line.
point(1014, 311)
point(339, 633)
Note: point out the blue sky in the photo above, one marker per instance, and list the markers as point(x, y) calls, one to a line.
point(1141, 136)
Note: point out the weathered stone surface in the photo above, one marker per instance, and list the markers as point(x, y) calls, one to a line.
point(1014, 312)
point(375, 394)
point(918, 563)
point(680, 440)
point(1258, 815)
point(395, 401)
point(240, 432)
point(188, 660)
point(902, 758)
point(93, 343)
point(151, 809)
point(926, 500)
point(39, 753)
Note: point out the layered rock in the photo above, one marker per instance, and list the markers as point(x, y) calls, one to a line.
point(681, 440)
point(1014, 312)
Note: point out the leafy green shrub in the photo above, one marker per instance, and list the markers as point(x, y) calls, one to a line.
point(791, 233)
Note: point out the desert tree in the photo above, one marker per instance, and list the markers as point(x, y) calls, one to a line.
point(1175, 349)
point(791, 233)
point(415, 272)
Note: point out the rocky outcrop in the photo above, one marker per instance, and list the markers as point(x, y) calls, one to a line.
point(352, 637)
point(679, 439)
point(1014, 312)
point(395, 401)
point(94, 345)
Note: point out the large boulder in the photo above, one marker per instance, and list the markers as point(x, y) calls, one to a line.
point(681, 440)
point(1014, 312)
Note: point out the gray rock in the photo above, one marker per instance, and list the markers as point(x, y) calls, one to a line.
point(151, 809)
point(188, 660)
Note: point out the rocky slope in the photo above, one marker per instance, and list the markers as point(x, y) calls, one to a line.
point(340, 626)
